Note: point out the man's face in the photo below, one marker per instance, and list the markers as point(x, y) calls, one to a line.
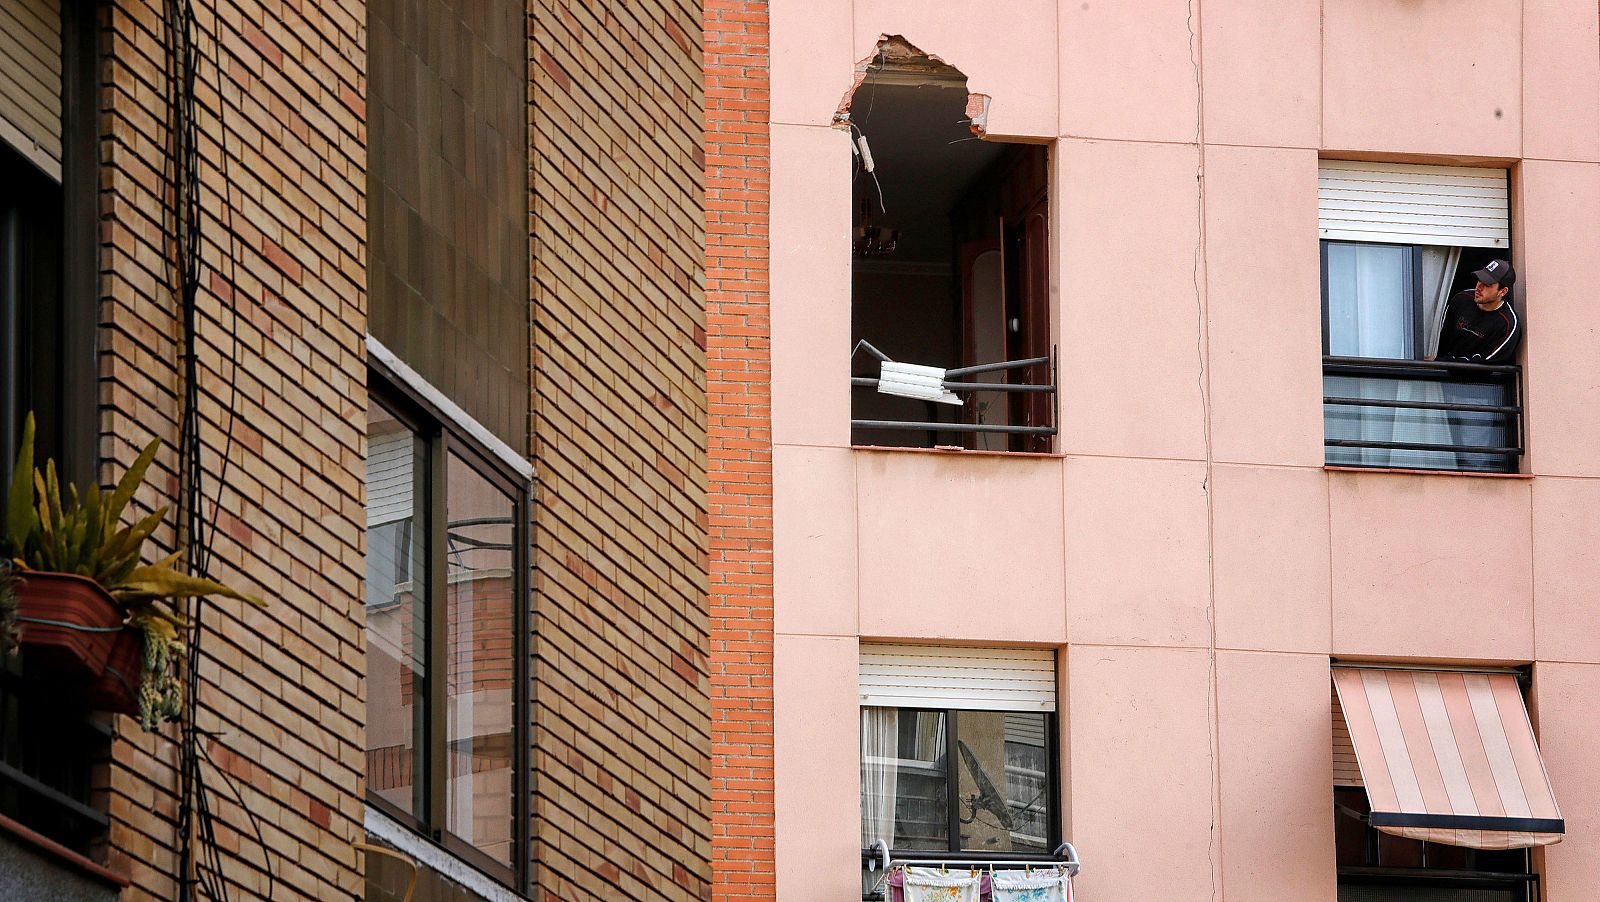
point(1488, 296)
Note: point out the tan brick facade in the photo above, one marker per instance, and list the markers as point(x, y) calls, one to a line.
point(281, 688)
point(621, 729)
point(616, 423)
point(737, 195)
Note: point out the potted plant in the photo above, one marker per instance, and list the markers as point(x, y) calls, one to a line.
point(75, 595)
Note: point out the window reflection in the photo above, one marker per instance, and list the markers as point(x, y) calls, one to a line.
point(396, 611)
point(480, 666)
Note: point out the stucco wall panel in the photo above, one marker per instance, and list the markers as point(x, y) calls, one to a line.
point(1271, 558)
point(1561, 80)
point(1010, 56)
point(810, 286)
point(817, 763)
point(1127, 71)
point(1566, 569)
point(1275, 748)
point(814, 541)
point(960, 547)
point(1129, 356)
point(1264, 299)
point(1560, 226)
point(1564, 696)
point(1429, 76)
point(812, 65)
point(1263, 72)
point(1141, 772)
point(1136, 552)
point(1412, 554)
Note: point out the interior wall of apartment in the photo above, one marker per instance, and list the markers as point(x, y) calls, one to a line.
point(448, 202)
point(621, 740)
point(1185, 546)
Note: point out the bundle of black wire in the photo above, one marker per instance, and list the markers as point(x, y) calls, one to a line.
point(200, 855)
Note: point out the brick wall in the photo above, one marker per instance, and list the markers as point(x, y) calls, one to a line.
point(739, 367)
point(621, 729)
point(282, 688)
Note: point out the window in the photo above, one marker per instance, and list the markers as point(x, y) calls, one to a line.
point(1439, 788)
point(446, 625)
point(1398, 243)
point(958, 751)
point(49, 753)
point(950, 271)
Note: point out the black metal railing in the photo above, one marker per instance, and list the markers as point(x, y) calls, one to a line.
point(51, 754)
point(1422, 414)
point(956, 382)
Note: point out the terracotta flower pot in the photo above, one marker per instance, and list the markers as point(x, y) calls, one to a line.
point(117, 688)
point(69, 623)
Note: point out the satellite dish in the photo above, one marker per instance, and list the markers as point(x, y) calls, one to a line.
point(987, 798)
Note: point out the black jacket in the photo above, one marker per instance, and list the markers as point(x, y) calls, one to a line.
point(1471, 335)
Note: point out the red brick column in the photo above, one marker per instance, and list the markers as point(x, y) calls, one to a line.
point(740, 473)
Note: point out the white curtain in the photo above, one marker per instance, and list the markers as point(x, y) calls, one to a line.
point(1370, 315)
point(880, 740)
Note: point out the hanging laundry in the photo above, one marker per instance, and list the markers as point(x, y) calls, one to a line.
point(1047, 886)
point(929, 885)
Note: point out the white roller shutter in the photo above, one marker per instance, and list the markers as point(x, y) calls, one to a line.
point(30, 80)
point(1346, 772)
point(1401, 203)
point(391, 480)
point(951, 676)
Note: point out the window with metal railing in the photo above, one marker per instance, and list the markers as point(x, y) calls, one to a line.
point(1422, 414)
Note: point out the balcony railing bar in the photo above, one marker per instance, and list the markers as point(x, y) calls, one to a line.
point(1366, 365)
point(1418, 446)
point(951, 427)
point(869, 382)
point(55, 797)
point(1420, 405)
point(993, 367)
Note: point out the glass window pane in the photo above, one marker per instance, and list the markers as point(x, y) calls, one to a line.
point(396, 611)
point(903, 779)
point(1369, 301)
point(1003, 790)
point(480, 561)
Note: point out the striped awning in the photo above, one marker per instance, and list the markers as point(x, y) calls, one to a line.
point(1449, 757)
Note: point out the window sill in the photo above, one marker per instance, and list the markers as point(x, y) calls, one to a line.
point(435, 857)
point(1405, 472)
point(62, 854)
point(952, 451)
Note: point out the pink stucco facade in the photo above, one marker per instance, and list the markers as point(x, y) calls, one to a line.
point(1184, 548)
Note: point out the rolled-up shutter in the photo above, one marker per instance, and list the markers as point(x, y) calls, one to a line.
point(391, 483)
point(1346, 772)
point(1401, 203)
point(30, 81)
point(960, 677)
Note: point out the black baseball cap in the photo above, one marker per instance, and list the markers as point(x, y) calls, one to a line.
point(1497, 272)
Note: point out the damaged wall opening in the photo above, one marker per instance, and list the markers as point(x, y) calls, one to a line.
point(950, 263)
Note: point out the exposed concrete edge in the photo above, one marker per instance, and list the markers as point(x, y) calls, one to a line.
point(451, 411)
point(437, 859)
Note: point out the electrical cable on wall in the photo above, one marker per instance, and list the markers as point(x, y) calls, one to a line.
point(200, 854)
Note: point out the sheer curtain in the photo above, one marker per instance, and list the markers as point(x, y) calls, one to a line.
point(1372, 313)
point(880, 741)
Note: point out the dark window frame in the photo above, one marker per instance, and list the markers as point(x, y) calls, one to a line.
point(442, 438)
point(53, 759)
point(953, 805)
point(1413, 297)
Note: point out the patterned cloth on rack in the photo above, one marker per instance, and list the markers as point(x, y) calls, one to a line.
point(1047, 886)
point(911, 884)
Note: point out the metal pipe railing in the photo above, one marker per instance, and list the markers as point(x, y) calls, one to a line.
point(1499, 426)
point(958, 385)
